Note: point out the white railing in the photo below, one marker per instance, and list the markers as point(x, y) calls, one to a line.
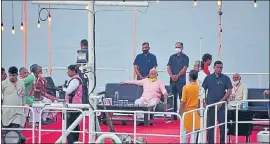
point(162, 71)
point(237, 114)
point(242, 74)
point(183, 133)
point(21, 129)
point(135, 134)
point(215, 125)
point(64, 131)
point(98, 69)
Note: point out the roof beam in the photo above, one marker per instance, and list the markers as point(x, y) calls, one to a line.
point(96, 3)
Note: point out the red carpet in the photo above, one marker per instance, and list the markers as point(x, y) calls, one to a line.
point(160, 127)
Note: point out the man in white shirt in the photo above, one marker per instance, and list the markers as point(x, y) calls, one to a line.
point(73, 95)
point(239, 91)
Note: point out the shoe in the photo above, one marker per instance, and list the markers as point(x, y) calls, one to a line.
point(45, 122)
point(49, 120)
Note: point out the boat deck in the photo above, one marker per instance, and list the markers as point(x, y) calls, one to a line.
point(159, 127)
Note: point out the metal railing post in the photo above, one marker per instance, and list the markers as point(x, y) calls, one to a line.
point(33, 119)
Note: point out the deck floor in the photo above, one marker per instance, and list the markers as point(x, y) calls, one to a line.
point(159, 127)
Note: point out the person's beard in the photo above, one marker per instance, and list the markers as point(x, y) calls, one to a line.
point(13, 80)
point(235, 83)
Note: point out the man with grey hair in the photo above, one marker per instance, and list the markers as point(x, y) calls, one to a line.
point(239, 91)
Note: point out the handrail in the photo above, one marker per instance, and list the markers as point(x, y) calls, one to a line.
point(254, 74)
point(215, 126)
point(64, 130)
point(237, 114)
point(33, 119)
point(182, 129)
point(135, 122)
point(101, 69)
point(127, 71)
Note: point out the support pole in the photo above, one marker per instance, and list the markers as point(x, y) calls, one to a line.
point(25, 33)
point(134, 41)
point(49, 45)
point(219, 29)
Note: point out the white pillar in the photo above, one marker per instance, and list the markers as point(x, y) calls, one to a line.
point(91, 44)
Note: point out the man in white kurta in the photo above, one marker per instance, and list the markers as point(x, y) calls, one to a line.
point(13, 91)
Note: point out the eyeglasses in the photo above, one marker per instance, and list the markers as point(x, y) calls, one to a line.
point(178, 47)
point(145, 47)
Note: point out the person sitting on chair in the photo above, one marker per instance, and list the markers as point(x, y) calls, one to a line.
point(152, 90)
point(239, 91)
point(41, 93)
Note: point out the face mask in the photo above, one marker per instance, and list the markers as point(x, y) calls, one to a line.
point(145, 51)
point(152, 79)
point(178, 50)
point(236, 82)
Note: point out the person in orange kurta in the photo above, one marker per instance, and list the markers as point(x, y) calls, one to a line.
point(190, 101)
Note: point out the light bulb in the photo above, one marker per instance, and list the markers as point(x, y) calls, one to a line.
point(195, 3)
point(22, 26)
point(86, 7)
point(255, 4)
point(13, 30)
point(49, 18)
point(157, 1)
point(38, 24)
point(219, 3)
point(2, 27)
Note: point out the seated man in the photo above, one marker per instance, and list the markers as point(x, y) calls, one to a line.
point(41, 93)
point(239, 91)
point(152, 90)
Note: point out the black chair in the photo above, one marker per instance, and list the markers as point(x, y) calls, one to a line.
point(132, 92)
point(255, 93)
point(244, 129)
point(51, 87)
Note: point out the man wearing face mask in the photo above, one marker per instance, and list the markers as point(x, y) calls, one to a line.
point(177, 67)
point(239, 91)
point(144, 62)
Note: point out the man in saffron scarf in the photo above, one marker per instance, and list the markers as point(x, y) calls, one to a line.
point(152, 90)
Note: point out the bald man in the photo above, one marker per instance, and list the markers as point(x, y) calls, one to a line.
point(152, 90)
point(239, 91)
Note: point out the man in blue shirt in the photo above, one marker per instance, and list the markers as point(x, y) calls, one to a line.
point(177, 67)
point(144, 62)
point(84, 46)
point(219, 88)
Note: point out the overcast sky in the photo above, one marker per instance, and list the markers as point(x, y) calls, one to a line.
point(245, 37)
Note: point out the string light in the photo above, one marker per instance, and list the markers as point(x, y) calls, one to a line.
point(195, 3)
point(49, 18)
point(2, 26)
point(255, 3)
point(22, 26)
point(219, 3)
point(38, 24)
point(13, 30)
point(22, 16)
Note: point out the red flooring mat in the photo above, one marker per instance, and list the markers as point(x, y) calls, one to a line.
point(159, 127)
